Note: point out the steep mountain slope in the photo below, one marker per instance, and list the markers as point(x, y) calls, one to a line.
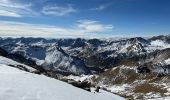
point(57, 60)
point(126, 81)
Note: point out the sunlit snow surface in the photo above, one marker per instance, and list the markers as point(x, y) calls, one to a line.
point(19, 85)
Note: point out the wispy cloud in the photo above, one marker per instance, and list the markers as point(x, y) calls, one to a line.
point(82, 28)
point(93, 26)
point(101, 7)
point(33, 30)
point(15, 9)
point(59, 10)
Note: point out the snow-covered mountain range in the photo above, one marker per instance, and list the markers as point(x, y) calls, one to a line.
point(96, 54)
point(124, 62)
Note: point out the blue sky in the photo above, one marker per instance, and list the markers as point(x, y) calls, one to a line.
point(84, 18)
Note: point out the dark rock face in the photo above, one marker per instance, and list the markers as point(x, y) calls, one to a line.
point(83, 85)
point(139, 40)
point(95, 42)
point(3, 52)
point(20, 67)
point(78, 43)
point(143, 69)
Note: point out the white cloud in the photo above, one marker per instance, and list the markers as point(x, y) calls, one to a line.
point(101, 7)
point(12, 8)
point(15, 9)
point(94, 26)
point(9, 13)
point(34, 30)
point(58, 10)
point(84, 28)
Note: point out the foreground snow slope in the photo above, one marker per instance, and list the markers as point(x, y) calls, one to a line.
point(19, 85)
